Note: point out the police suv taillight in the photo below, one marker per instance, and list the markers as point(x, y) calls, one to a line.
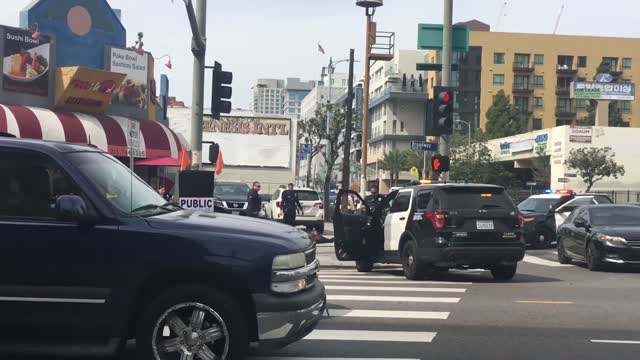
point(438, 219)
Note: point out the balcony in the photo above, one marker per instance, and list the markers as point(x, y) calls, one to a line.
point(400, 91)
point(566, 111)
point(566, 69)
point(523, 109)
point(522, 89)
point(524, 68)
point(563, 90)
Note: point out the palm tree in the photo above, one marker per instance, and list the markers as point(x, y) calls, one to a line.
point(394, 162)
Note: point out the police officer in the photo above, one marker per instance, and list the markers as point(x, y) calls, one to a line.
point(374, 199)
point(289, 205)
point(254, 200)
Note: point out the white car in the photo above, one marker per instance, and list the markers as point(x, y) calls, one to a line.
point(312, 206)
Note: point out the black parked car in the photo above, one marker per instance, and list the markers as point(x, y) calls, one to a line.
point(601, 235)
point(92, 257)
point(434, 227)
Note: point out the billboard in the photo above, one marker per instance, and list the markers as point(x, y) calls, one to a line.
point(85, 90)
point(603, 91)
point(250, 141)
point(134, 91)
point(26, 62)
point(581, 134)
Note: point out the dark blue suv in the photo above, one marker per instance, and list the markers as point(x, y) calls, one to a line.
point(92, 257)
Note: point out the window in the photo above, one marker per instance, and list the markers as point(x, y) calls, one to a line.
point(305, 195)
point(475, 198)
point(537, 124)
point(539, 205)
point(401, 126)
point(564, 105)
point(539, 81)
point(498, 58)
point(538, 102)
point(423, 199)
point(581, 104)
point(626, 106)
point(563, 122)
point(612, 62)
point(395, 123)
point(615, 216)
point(539, 59)
point(521, 60)
point(30, 184)
point(521, 82)
point(498, 79)
point(402, 202)
point(582, 61)
point(626, 63)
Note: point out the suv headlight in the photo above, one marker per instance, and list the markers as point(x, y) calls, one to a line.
point(217, 202)
point(291, 273)
point(613, 240)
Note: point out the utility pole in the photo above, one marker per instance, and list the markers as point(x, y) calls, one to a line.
point(447, 55)
point(365, 110)
point(198, 22)
point(346, 163)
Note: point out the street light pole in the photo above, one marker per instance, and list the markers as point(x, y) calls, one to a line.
point(365, 110)
point(447, 55)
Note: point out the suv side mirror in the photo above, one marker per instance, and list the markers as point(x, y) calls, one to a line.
point(580, 223)
point(73, 208)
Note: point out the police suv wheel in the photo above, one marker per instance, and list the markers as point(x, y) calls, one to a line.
point(364, 266)
point(412, 266)
point(192, 322)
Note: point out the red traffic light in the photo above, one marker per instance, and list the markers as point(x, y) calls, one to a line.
point(445, 97)
point(437, 164)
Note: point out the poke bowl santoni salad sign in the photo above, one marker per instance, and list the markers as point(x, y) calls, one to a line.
point(25, 64)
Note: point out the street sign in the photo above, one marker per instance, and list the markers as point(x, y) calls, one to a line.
point(563, 180)
point(134, 135)
point(531, 183)
point(424, 146)
point(570, 175)
point(305, 151)
point(414, 171)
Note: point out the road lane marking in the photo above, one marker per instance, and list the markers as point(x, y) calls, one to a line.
point(538, 261)
point(545, 302)
point(361, 335)
point(394, 289)
point(405, 282)
point(310, 358)
point(332, 276)
point(389, 314)
point(628, 342)
point(393, 299)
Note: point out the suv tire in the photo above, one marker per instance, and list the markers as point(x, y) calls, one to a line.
point(543, 239)
point(562, 253)
point(593, 257)
point(504, 272)
point(220, 312)
point(364, 266)
point(412, 266)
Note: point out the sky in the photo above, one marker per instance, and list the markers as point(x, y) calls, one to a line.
point(278, 38)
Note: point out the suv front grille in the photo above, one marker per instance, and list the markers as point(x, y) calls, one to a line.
point(310, 255)
point(235, 205)
point(634, 243)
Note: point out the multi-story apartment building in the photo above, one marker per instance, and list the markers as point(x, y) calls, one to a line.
point(294, 92)
point(267, 96)
point(536, 72)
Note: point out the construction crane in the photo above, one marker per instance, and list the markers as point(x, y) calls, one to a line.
point(555, 30)
point(502, 14)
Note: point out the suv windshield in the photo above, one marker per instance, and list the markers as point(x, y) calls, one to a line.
point(475, 198)
point(306, 195)
point(231, 189)
point(539, 205)
point(128, 194)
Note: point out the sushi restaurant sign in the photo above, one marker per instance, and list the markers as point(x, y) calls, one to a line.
point(27, 68)
point(85, 90)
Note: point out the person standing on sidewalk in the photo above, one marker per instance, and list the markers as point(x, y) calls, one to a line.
point(290, 205)
point(254, 200)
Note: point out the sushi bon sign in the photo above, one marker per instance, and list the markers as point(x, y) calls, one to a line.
point(26, 62)
point(85, 90)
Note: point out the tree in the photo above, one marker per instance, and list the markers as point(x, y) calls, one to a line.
point(503, 119)
point(615, 115)
point(329, 143)
point(417, 159)
point(311, 132)
point(394, 162)
point(594, 164)
point(541, 168)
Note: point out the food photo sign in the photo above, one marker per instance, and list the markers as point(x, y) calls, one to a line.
point(27, 66)
point(132, 97)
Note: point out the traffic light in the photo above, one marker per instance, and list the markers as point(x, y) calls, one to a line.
point(440, 163)
point(443, 99)
point(221, 94)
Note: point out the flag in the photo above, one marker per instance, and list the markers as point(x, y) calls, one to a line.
point(321, 49)
point(219, 163)
point(185, 161)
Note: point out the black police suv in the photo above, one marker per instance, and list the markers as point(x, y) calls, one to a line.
point(434, 227)
point(92, 257)
point(601, 235)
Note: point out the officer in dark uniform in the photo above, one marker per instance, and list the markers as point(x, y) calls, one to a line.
point(374, 199)
point(254, 201)
point(289, 205)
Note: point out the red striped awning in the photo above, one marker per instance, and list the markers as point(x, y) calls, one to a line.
point(108, 133)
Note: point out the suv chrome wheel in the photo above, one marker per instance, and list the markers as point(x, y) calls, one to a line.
point(190, 331)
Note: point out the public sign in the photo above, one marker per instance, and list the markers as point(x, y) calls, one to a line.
point(603, 91)
point(85, 90)
point(25, 65)
point(563, 180)
point(424, 146)
point(196, 190)
point(197, 204)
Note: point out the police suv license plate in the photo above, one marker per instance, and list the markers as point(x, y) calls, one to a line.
point(485, 225)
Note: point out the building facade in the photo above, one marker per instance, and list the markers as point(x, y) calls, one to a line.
point(294, 92)
point(267, 96)
point(536, 71)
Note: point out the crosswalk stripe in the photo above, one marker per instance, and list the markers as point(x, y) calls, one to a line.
point(389, 314)
point(331, 276)
point(405, 282)
point(353, 271)
point(394, 289)
point(544, 262)
point(310, 358)
point(362, 335)
point(393, 299)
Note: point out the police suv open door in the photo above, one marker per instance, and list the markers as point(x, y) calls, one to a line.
point(350, 229)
